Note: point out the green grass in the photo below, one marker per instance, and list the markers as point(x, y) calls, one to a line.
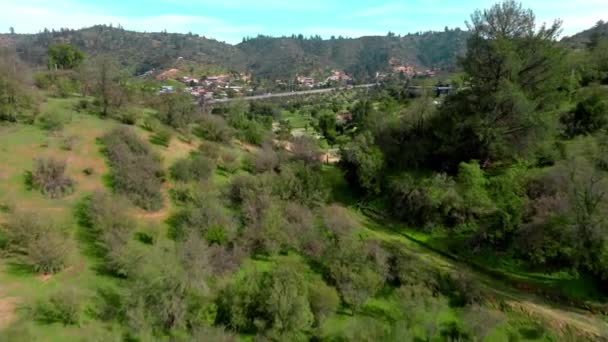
point(21, 145)
point(296, 119)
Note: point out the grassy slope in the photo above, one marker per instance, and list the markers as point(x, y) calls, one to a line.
point(20, 144)
point(553, 315)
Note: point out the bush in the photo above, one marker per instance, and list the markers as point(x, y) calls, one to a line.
point(53, 121)
point(68, 143)
point(214, 128)
point(324, 300)
point(136, 170)
point(265, 159)
point(176, 109)
point(255, 133)
point(129, 117)
point(63, 306)
point(300, 183)
point(205, 216)
point(307, 150)
point(425, 202)
point(110, 228)
point(243, 186)
point(589, 116)
point(195, 168)
point(36, 242)
point(210, 149)
point(229, 162)
point(49, 177)
point(162, 136)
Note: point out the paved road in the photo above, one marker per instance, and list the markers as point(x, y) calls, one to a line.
point(294, 93)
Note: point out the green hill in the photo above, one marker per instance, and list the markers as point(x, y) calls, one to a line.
point(582, 39)
point(264, 57)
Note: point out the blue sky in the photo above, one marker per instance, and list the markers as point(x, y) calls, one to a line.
point(231, 20)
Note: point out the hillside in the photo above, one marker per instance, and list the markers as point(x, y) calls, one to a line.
point(265, 57)
point(582, 39)
point(361, 57)
point(140, 51)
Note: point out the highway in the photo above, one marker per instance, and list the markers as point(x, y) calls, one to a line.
point(293, 93)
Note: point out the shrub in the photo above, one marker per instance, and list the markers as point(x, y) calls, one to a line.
point(36, 242)
point(205, 216)
point(83, 106)
point(214, 128)
point(255, 133)
point(355, 270)
point(229, 162)
point(300, 183)
point(176, 109)
point(88, 171)
point(462, 289)
point(49, 177)
point(210, 149)
point(425, 202)
point(162, 136)
point(151, 124)
point(63, 306)
point(265, 159)
point(52, 121)
point(306, 149)
point(589, 116)
point(182, 193)
point(194, 168)
point(136, 170)
point(243, 186)
point(324, 300)
point(68, 143)
point(129, 117)
point(110, 228)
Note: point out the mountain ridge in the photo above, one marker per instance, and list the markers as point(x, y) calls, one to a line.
point(263, 56)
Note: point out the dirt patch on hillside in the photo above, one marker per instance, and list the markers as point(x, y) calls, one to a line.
point(559, 320)
point(8, 305)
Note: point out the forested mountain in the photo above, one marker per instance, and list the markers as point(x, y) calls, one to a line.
point(361, 57)
point(140, 51)
point(265, 57)
point(583, 39)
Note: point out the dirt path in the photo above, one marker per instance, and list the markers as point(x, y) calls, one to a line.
point(557, 316)
point(8, 305)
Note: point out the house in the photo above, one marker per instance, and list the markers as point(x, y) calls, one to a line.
point(405, 69)
point(166, 89)
point(217, 79)
point(189, 81)
point(338, 76)
point(380, 76)
point(306, 81)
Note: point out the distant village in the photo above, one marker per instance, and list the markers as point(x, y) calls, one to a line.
point(222, 86)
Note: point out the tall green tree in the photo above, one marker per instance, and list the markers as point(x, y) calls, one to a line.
point(514, 72)
point(15, 97)
point(103, 79)
point(364, 163)
point(64, 56)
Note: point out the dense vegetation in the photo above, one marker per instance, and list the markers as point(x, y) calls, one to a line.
point(495, 167)
point(356, 215)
